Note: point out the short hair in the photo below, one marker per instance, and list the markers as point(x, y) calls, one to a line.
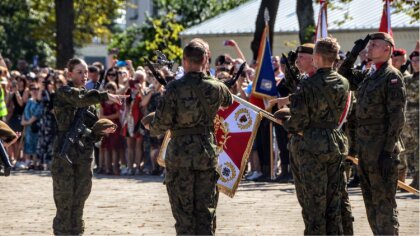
point(98, 64)
point(74, 62)
point(93, 69)
point(327, 48)
point(195, 52)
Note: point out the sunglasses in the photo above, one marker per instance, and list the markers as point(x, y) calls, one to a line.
point(34, 89)
point(112, 74)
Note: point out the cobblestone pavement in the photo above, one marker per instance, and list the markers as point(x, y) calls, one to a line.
point(139, 206)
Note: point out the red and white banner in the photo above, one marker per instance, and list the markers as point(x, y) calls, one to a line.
point(235, 130)
point(322, 25)
point(385, 25)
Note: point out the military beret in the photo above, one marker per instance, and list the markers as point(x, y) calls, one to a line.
point(101, 125)
point(399, 52)
point(414, 54)
point(383, 36)
point(6, 133)
point(148, 119)
point(306, 48)
point(282, 114)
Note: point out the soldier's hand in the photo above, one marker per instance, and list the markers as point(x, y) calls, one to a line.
point(359, 45)
point(117, 98)
point(109, 130)
point(387, 164)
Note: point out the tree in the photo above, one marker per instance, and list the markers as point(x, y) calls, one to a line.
point(16, 32)
point(271, 6)
point(73, 20)
point(161, 32)
point(137, 43)
point(193, 12)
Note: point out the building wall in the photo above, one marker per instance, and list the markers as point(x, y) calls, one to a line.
point(136, 10)
point(284, 42)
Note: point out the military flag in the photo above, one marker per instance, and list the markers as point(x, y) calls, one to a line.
point(385, 25)
point(235, 131)
point(264, 85)
point(322, 25)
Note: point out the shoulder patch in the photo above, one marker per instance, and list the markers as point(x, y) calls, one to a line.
point(394, 81)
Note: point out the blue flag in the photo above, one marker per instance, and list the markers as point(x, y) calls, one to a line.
point(264, 85)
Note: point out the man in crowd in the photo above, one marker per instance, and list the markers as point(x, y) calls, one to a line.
point(380, 118)
point(188, 109)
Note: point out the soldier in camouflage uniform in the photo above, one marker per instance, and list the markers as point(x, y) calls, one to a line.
point(72, 183)
point(410, 132)
point(188, 109)
point(380, 119)
point(315, 111)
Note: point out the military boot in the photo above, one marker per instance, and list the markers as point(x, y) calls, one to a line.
point(415, 183)
point(285, 174)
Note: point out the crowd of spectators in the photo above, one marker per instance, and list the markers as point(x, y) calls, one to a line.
point(27, 95)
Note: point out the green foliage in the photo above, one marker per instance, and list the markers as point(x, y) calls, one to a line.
point(192, 12)
point(137, 43)
point(410, 8)
point(92, 19)
point(17, 28)
point(162, 32)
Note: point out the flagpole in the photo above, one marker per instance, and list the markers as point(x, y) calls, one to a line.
point(264, 113)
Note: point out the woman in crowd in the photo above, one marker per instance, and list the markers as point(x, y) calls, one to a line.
point(18, 96)
point(31, 115)
point(112, 147)
point(131, 124)
point(47, 122)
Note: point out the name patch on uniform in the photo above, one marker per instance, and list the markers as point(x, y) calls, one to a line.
point(394, 81)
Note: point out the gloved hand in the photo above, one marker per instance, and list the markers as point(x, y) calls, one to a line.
point(359, 45)
point(291, 57)
point(387, 163)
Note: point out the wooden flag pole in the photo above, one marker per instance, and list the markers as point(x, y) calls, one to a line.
point(264, 113)
point(400, 183)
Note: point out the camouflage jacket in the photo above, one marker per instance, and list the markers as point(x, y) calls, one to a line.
point(381, 99)
point(412, 86)
point(68, 100)
point(310, 111)
point(180, 109)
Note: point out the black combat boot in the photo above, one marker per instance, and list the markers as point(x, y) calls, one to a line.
point(285, 175)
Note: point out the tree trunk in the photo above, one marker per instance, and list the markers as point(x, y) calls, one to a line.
point(305, 14)
point(64, 13)
point(272, 6)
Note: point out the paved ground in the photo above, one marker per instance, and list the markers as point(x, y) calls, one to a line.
point(139, 205)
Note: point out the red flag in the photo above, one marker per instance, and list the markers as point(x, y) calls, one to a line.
point(322, 25)
point(385, 25)
point(235, 129)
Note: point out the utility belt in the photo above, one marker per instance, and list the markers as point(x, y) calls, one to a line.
point(372, 121)
point(192, 131)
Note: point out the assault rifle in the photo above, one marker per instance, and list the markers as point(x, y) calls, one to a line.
point(231, 82)
point(77, 129)
point(5, 159)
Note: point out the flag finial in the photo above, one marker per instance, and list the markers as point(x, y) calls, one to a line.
point(266, 16)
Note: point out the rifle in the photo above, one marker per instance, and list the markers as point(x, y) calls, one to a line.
point(76, 130)
point(158, 77)
point(231, 82)
point(5, 159)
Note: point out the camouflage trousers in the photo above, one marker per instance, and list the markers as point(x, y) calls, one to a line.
point(410, 136)
point(71, 185)
point(317, 180)
point(346, 214)
point(378, 193)
point(193, 196)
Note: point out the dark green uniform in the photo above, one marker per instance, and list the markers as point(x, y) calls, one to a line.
point(72, 183)
point(410, 133)
point(380, 118)
point(188, 109)
point(321, 149)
